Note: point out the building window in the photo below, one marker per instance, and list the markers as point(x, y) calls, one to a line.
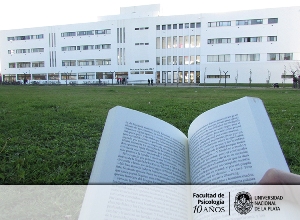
point(180, 42)
point(37, 50)
point(169, 42)
point(247, 39)
point(174, 26)
point(198, 59)
point(174, 60)
point(180, 26)
point(218, 58)
point(23, 37)
point(163, 27)
point(249, 22)
point(22, 51)
point(38, 64)
point(157, 43)
point(163, 60)
point(186, 25)
point(192, 25)
point(272, 20)
point(23, 64)
point(10, 38)
point(175, 42)
point(198, 25)
point(157, 61)
point(180, 60)
point(86, 62)
point(219, 23)
point(272, 38)
point(68, 34)
point(169, 60)
point(83, 76)
point(12, 65)
point(104, 62)
point(69, 48)
point(68, 62)
point(169, 27)
point(164, 43)
point(219, 41)
point(247, 57)
point(256, 21)
point(104, 31)
point(280, 56)
point(158, 27)
point(39, 36)
point(83, 33)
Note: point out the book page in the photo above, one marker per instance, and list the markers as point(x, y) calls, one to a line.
point(137, 148)
point(234, 143)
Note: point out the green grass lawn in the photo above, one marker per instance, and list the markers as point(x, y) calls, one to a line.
point(50, 134)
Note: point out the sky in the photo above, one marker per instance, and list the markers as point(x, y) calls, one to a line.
point(20, 14)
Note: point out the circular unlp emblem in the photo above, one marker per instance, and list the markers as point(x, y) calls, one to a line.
point(243, 202)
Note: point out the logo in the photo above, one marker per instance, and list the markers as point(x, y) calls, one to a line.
point(243, 202)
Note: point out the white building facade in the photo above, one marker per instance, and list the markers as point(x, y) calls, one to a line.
point(139, 44)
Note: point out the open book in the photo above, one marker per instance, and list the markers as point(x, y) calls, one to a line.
point(231, 144)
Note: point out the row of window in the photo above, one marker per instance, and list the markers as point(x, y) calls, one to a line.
point(32, 50)
point(141, 44)
point(85, 33)
point(239, 40)
point(178, 60)
point(141, 61)
point(89, 62)
point(178, 26)
point(242, 22)
point(57, 76)
point(26, 37)
point(177, 77)
point(26, 64)
point(190, 41)
point(141, 28)
point(86, 47)
point(249, 57)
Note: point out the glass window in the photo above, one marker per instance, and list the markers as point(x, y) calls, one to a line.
point(169, 27)
point(186, 25)
point(186, 60)
point(192, 41)
point(272, 38)
point(192, 25)
point(169, 42)
point(163, 27)
point(198, 39)
point(157, 27)
point(169, 60)
point(180, 41)
point(158, 43)
point(198, 25)
point(180, 60)
point(197, 59)
point(174, 60)
point(175, 42)
point(180, 26)
point(164, 43)
point(157, 61)
point(174, 26)
point(163, 60)
point(186, 42)
point(256, 21)
point(272, 20)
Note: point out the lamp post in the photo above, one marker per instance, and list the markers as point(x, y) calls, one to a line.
point(225, 76)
